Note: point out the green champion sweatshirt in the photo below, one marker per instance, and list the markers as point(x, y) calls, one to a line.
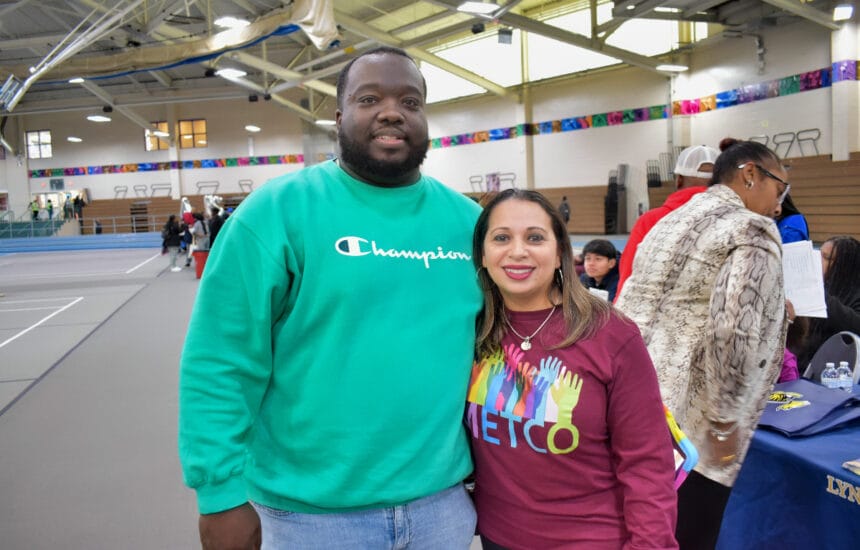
point(330, 345)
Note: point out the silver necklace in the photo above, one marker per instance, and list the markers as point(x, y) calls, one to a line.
point(526, 343)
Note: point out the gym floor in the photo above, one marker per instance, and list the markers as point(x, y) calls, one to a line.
point(89, 349)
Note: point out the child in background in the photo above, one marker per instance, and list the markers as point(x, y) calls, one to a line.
point(601, 268)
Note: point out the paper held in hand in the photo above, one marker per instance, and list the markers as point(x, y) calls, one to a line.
point(804, 282)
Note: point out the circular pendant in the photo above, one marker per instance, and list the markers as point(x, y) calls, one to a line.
point(526, 345)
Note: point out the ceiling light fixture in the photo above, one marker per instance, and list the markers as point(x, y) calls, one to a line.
point(230, 73)
point(230, 22)
point(74, 139)
point(160, 133)
point(843, 12)
point(98, 118)
point(325, 122)
point(480, 8)
point(76, 80)
point(252, 128)
point(672, 68)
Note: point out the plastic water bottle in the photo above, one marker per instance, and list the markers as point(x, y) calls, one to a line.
point(829, 378)
point(846, 380)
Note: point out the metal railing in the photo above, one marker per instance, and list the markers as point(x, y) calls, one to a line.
point(9, 228)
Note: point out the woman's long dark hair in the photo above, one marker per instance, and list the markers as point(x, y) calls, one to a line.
point(583, 312)
point(840, 281)
point(787, 209)
point(841, 278)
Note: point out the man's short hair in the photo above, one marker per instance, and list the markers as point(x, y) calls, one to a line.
point(692, 158)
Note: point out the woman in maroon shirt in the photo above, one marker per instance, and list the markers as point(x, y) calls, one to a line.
point(568, 430)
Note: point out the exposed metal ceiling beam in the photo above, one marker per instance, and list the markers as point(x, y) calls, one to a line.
point(440, 33)
point(166, 12)
point(580, 41)
point(637, 10)
point(302, 113)
point(537, 27)
point(322, 73)
point(93, 33)
point(444, 14)
point(812, 14)
point(368, 31)
point(125, 111)
point(12, 7)
point(281, 72)
point(334, 55)
point(31, 41)
point(699, 7)
point(162, 78)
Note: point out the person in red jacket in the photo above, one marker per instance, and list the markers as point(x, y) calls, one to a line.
point(692, 174)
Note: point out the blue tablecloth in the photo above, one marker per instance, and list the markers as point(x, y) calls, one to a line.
point(795, 494)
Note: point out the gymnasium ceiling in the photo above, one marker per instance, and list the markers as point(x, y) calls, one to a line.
point(134, 53)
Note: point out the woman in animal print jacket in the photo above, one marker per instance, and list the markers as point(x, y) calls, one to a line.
point(707, 293)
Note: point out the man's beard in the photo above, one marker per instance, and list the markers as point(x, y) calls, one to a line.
point(357, 157)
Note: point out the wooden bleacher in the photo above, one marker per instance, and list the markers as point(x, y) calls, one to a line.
point(586, 206)
point(828, 194)
point(657, 195)
point(141, 214)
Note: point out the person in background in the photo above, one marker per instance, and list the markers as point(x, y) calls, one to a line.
point(200, 233)
point(68, 208)
point(188, 221)
point(840, 264)
point(693, 171)
point(791, 223)
point(329, 414)
point(217, 217)
point(34, 209)
point(50, 206)
point(172, 235)
point(78, 204)
point(794, 337)
point(564, 210)
point(707, 293)
point(568, 431)
point(600, 259)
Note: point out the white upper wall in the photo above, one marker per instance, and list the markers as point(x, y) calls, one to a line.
point(121, 142)
point(580, 157)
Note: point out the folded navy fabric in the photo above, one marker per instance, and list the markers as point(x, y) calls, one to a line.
point(801, 407)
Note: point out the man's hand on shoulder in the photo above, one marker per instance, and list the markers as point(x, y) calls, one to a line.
point(234, 529)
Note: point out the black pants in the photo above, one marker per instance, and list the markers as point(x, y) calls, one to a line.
point(487, 544)
point(701, 503)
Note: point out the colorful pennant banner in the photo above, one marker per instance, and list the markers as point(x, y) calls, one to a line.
point(842, 70)
point(822, 78)
point(172, 165)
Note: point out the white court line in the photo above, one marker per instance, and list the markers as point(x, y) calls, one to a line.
point(26, 309)
point(143, 263)
point(31, 300)
point(31, 327)
point(69, 275)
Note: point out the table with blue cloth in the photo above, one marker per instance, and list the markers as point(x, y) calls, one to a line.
point(794, 493)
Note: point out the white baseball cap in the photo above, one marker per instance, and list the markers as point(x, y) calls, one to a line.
point(692, 158)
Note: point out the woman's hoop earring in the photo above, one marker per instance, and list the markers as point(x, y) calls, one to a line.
point(560, 277)
point(750, 183)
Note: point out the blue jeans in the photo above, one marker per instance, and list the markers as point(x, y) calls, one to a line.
point(445, 520)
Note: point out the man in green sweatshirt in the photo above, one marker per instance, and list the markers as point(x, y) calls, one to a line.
point(324, 373)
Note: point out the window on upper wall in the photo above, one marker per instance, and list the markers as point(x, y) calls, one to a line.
point(39, 144)
point(192, 133)
point(153, 142)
